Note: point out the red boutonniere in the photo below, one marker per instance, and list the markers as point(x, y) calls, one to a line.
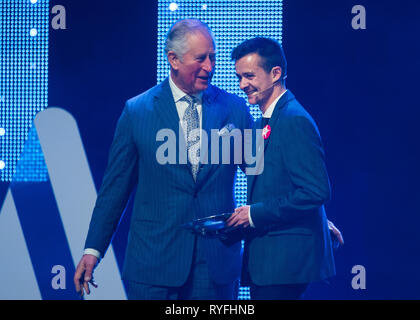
point(266, 132)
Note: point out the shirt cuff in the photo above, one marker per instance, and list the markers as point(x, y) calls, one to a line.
point(250, 219)
point(93, 252)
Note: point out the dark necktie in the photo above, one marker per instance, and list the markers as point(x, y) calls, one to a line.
point(192, 122)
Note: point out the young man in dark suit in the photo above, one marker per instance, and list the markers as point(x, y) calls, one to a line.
point(288, 243)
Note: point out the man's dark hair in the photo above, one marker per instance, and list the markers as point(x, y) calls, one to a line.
point(270, 51)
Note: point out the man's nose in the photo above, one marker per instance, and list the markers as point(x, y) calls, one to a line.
point(243, 84)
point(208, 65)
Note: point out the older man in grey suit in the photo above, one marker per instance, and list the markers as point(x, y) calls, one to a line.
point(163, 261)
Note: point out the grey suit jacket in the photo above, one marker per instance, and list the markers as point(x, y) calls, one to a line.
point(159, 251)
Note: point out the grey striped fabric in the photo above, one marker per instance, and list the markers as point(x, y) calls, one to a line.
point(193, 123)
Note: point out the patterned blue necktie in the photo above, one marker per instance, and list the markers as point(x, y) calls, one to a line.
point(192, 122)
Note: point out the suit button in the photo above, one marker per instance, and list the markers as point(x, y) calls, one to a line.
point(195, 195)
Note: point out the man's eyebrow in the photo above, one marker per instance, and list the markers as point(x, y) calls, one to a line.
point(250, 73)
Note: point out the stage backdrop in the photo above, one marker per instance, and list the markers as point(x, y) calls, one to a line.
point(73, 64)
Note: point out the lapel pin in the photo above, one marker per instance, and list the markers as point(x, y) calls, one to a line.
point(266, 131)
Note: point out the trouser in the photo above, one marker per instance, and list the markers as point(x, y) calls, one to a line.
point(199, 286)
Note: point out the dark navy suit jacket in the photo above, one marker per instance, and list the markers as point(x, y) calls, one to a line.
point(159, 251)
point(291, 242)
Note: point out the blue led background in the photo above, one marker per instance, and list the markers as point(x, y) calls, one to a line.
point(24, 32)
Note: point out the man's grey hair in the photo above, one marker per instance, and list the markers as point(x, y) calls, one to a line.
point(176, 39)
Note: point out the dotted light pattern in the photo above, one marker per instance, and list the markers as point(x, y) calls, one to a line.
point(23, 84)
point(231, 22)
point(31, 165)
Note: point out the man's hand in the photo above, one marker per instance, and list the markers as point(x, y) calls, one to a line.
point(239, 218)
point(84, 274)
point(335, 232)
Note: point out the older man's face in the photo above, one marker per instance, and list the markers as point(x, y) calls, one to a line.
point(195, 69)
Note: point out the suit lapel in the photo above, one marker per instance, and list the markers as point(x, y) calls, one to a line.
point(213, 115)
point(165, 110)
point(209, 119)
point(251, 178)
point(165, 107)
point(287, 96)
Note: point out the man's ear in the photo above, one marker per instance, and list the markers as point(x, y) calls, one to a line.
point(276, 73)
point(173, 60)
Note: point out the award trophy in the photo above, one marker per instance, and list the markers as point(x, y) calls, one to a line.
point(210, 227)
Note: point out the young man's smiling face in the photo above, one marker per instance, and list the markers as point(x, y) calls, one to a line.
point(254, 80)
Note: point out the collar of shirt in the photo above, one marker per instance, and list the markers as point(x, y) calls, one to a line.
point(269, 112)
point(182, 105)
point(178, 94)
